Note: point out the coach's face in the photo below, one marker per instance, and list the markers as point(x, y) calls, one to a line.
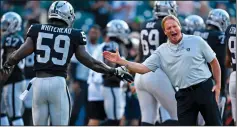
point(173, 31)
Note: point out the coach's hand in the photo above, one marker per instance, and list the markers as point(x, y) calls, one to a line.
point(112, 57)
point(217, 90)
point(122, 73)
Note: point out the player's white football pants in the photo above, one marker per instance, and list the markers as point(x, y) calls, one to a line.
point(51, 98)
point(151, 88)
point(11, 104)
point(162, 114)
point(232, 90)
point(114, 102)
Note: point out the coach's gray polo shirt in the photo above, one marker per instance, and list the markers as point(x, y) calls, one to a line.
point(185, 63)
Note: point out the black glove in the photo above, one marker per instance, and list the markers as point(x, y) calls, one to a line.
point(122, 73)
point(7, 68)
point(5, 72)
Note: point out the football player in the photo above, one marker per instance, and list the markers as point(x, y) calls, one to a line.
point(11, 23)
point(114, 96)
point(230, 39)
point(155, 87)
point(53, 45)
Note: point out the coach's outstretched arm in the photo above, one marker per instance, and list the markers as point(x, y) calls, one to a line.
point(98, 66)
point(133, 66)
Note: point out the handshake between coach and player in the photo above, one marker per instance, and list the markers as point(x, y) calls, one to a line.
point(122, 73)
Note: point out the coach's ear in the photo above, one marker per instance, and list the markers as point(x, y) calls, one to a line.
point(165, 32)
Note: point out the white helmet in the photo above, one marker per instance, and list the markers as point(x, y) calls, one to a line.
point(219, 18)
point(194, 22)
point(11, 22)
point(62, 10)
point(119, 29)
point(164, 8)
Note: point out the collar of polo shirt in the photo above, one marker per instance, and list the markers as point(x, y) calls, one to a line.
point(176, 46)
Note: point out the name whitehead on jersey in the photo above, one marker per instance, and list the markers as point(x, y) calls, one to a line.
point(56, 29)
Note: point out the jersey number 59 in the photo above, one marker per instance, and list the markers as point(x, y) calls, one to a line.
point(57, 48)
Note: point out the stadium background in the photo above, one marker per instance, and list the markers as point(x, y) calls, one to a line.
point(98, 12)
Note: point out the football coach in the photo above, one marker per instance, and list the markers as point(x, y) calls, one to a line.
point(184, 59)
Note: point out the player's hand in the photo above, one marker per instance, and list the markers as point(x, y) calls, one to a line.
point(5, 73)
point(7, 69)
point(112, 57)
point(122, 73)
point(217, 90)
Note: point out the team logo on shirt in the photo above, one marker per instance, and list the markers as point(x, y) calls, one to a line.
point(188, 49)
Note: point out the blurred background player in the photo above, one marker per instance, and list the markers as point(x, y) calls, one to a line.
point(117, 32)
point(230, 40)
point(29, 75)
point(155, 87)
point(132, 115)
point(11, 105)
point(193, 23)
point(216, 24)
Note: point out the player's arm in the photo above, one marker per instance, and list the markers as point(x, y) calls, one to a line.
point(86, 59)
point(26, 49)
